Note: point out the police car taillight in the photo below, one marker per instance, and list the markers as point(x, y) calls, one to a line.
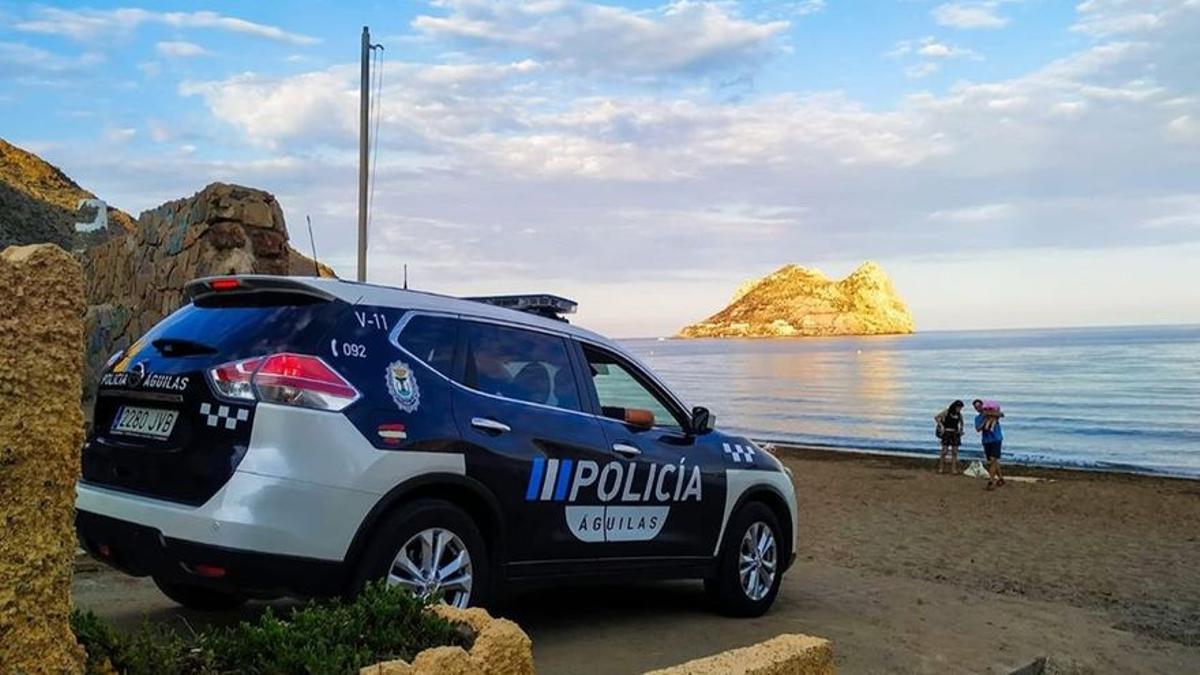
point(235, 380)
point(296, 379)
point(289, 379)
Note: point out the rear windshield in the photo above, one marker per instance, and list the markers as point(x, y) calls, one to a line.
point(233, 332)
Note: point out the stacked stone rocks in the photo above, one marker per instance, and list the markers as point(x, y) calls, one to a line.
point(135, 280)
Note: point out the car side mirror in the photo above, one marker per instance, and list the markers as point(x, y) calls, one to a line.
point(639, 418)
point(702, 420)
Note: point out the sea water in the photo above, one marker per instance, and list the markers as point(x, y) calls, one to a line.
point(1111, 398)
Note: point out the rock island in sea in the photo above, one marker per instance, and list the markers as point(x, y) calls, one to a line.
point(797, 302)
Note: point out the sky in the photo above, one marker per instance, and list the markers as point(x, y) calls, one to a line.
point(1010, 163)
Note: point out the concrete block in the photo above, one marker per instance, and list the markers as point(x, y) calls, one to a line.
point(788, 654)
point(41, 430)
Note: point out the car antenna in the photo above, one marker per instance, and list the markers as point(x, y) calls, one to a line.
point(313, 242)
point(406, 276)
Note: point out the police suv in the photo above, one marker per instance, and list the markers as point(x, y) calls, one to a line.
point(299, 436)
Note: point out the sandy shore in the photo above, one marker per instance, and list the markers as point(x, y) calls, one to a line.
point(1129, 545)
point(906, 571)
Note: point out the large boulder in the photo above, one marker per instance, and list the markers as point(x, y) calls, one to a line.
point(135, 280)
point(41, 429)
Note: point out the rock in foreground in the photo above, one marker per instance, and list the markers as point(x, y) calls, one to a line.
point(798, 302)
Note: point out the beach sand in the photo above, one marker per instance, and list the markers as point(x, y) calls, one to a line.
point(1129, 545)
point(905, 570)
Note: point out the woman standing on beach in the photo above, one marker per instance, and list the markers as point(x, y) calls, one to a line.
point(987, 423)
point(950, 431)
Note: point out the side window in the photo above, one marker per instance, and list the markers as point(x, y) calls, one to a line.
point(519, 364)
point(432, 339)
point(618, 388)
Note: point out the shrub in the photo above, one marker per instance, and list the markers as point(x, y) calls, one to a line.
point(332, 638)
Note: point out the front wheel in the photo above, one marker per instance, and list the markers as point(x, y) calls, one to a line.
point(433, 549)
point(750, 566)
point(199, 597)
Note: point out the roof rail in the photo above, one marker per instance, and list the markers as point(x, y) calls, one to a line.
point(541, 304)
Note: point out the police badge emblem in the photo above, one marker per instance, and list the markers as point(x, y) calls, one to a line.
point(402, 385)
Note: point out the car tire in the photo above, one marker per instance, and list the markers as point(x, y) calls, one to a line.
point(419, 526)
point(748, 595)
point(197, 597)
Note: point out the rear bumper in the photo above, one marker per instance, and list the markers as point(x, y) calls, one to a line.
point(144, 551)
point(251, 512)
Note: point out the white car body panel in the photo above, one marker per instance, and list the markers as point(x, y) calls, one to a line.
point(308, 480)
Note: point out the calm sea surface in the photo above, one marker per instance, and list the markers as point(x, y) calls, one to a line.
point(1119, 398)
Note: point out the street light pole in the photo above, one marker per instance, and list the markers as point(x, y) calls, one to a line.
point(363, 108)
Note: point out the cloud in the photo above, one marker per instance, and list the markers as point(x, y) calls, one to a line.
point(179, 49)
point(922, 69)
point(938, 50)
point(89, 25)
point(506, 160)
point(1184, 128)
point(32, 65)
point(683, 37)
point(932, 51)
point(1174, 211)
point(931, 47)
point(969, 15)
point(1105, 18)
point(318, 106)
point(970, 215)
point(480, 122)
point(499, 148)
point(119, 135)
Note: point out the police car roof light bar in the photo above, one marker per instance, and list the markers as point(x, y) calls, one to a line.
point(541, 304)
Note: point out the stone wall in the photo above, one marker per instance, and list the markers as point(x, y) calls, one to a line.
point(135, 280)
point(789, 654)
point(41, 430)
point(500, 648)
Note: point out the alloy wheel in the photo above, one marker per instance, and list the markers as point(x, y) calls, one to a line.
point(434, 562)
point(757, 561)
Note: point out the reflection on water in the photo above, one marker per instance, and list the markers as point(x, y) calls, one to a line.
point(1119, 396)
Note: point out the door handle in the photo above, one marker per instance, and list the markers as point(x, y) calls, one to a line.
point(485, 424)
point(626, 449)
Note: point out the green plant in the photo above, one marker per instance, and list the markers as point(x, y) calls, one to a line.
point(331, 638)
point(103, 644)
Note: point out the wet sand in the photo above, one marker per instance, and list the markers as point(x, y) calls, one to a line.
point(905, 570)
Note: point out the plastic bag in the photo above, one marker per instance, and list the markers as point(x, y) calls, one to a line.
point(976, 470)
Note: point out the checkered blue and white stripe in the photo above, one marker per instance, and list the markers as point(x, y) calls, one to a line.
point(740, 453)
point(224, 415)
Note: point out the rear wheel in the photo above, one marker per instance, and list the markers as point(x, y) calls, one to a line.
point(199, 597)
point(433, 549)
point(750, 567)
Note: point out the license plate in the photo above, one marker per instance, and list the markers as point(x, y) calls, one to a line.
point(148, 422)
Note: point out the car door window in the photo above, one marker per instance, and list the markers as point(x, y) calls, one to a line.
point(431, 339)
point(519, 364)
point(619, 388)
